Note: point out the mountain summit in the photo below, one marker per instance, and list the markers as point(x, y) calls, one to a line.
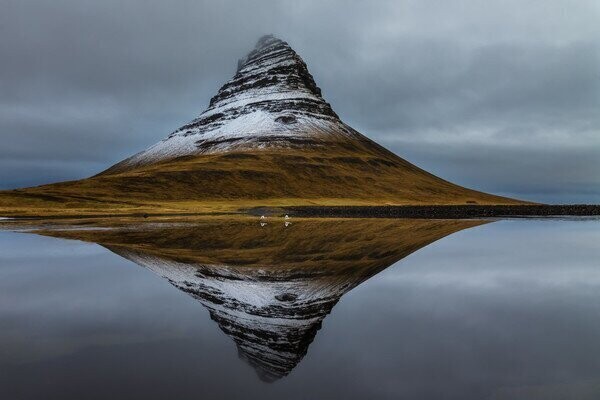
point(272, 101)
point(268, 138)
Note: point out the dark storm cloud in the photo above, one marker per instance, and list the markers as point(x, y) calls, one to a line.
point(501, 96)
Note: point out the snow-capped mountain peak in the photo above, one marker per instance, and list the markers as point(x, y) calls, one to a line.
point(272, 101)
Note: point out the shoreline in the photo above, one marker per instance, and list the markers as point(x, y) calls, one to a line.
point(417, 212)
point(446, 211)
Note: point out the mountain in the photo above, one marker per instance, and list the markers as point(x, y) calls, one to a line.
point(269, 287)
point(267, 138)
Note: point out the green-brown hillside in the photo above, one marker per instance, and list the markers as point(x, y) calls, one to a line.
point(231, 181)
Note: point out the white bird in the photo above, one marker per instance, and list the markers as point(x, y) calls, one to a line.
point(286, 216)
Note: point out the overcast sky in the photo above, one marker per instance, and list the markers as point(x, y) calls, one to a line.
point(501, 96)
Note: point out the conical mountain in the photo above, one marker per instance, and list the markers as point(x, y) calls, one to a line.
point(267, 138)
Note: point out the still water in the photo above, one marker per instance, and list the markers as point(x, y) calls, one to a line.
point(317, 309)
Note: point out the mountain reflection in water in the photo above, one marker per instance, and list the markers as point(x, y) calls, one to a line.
point(268, 286)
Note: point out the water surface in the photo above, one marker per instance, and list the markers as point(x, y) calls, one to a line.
point(415, 309)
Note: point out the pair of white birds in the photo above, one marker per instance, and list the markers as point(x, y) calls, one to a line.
point(263, 218)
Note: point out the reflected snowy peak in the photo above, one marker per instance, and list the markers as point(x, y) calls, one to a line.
point(268, 284)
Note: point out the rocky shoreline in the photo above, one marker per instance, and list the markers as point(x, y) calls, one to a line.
point(446, 211)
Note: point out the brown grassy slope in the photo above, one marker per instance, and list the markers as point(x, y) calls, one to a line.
point(359, 173)
point(340, 246)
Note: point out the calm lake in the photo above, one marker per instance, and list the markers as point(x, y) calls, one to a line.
point(301, 309)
